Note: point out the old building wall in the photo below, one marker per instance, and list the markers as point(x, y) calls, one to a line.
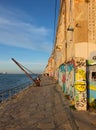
point(74, 44)
point(92, 21)
point(80, 84)
point(85, 28)
point(69, 29)
point(91, 80)
point(80, 21)
point(59, 46)
point(86, 50)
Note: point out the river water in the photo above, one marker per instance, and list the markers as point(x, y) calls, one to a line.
point(8, 81)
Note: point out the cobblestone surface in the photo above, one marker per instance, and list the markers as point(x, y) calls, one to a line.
point(39, 108)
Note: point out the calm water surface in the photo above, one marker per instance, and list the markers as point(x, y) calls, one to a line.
point(8, 81)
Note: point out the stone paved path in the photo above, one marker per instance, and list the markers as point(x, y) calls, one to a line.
point(38, 108)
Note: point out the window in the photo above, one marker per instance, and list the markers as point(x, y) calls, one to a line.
point(94, 76)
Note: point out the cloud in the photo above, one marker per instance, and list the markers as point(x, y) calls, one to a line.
point(16, 31)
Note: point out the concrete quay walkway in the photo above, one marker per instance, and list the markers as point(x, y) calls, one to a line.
point(43, 108)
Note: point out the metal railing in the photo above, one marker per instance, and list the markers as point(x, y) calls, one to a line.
point(6, 94)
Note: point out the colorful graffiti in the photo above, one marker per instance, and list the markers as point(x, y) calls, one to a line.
point(91, 67)
point(80, 84)
point(66, 78)
point(70, 79)
point(64, 82)
point(92, 87)
point(80, 100)
point(80, 74)
point(62, 76)
point(91, 62)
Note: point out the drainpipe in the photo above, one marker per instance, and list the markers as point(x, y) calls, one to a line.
point(65, 33)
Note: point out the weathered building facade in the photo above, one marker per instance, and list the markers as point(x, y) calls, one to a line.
point(73, 59)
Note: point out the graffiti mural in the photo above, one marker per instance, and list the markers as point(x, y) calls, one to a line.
point(80, 100)
point(62, 77)
point(66, 78)
point(91, 78)
point(70, 80)
point(80, 84)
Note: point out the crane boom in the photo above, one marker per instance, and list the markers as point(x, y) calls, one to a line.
point(28, 75)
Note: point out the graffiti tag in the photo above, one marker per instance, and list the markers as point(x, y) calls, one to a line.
point(80, 86)
point(80, 74)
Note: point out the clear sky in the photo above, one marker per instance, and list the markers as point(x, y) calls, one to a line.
point(26, 34)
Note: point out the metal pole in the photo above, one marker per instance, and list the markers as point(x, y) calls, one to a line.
point(28, 75)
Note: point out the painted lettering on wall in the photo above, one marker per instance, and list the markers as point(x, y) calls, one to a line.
point(80, 75)
point(80, 84)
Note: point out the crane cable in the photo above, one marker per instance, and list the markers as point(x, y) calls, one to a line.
point(27, 69)
point(20, 66)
